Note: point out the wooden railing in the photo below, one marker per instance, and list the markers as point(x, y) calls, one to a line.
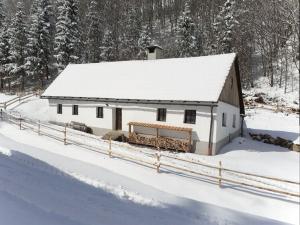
point(158, 160)
point(17, 99)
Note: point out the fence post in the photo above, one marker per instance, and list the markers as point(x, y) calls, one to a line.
point(39, 127)
point(220, 173)
point(1, 113)
point(109, 148)
point(158, 160)
point(4, 105)
point(65, 135)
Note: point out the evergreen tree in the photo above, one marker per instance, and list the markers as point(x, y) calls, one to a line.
point(185, 38)
point(39, 41)
point(2, 14)
point(224, 27)
point(144, 42)
point(17, 44)
point(3, 45)
point(4, 53)
point(46, 36)
point(67, 37)
point(33, 62)
point(108, 51)
point(200, 41)
point(94, 34)
point(132, 26)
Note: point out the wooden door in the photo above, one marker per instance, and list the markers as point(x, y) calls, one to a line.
point(118, 119)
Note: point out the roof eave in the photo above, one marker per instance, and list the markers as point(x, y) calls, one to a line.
point(135, 101)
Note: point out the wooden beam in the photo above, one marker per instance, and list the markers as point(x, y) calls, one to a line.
point(190, 140)
point(156, 138)
point(160, 126)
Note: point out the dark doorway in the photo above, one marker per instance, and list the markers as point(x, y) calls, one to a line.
point(118, 119)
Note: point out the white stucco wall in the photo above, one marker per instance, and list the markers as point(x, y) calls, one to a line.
point(148, 114)
point(224, 134)
point(87, 113)
point(142, 113)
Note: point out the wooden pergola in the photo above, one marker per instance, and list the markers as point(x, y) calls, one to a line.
point(161, 141)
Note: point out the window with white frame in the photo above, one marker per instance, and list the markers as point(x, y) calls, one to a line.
point(190, 116)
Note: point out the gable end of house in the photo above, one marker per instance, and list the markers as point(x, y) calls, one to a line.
point(232, 91)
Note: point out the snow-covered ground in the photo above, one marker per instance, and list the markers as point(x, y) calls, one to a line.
point(195, 201)
point(34, 108)
point(276, 94)
point(5, 98)
point(41, 178)
point(279, 124)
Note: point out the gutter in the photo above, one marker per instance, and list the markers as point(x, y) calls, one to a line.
point(135, 101)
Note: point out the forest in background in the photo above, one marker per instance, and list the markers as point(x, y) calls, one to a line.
point(39, 38)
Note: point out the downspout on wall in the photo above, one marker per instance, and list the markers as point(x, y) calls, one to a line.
point(210, 144)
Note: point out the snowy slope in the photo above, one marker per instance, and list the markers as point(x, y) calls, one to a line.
point(276, 94)
point(33, 192)
point(34, 108)
point(5, 98)
point(282, 125)
point(201, 190)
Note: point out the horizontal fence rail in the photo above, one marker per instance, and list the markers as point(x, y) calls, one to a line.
point(157, 160)
point(233, 171)
point(17, 99)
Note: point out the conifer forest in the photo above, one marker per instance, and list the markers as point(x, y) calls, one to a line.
point(39, 38)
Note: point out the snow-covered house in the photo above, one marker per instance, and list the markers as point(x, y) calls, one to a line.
point(196, 102)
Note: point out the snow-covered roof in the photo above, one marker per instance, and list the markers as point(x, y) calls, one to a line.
point(180, 79)
point(154, 46)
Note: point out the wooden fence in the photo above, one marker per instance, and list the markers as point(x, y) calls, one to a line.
point(158, 160)
point(17, 99)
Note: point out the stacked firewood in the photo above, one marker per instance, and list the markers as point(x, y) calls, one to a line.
point(162, 142)
point(174, 144)
point(143, 140)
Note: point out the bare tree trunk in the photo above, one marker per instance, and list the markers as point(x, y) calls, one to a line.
point(286, 71)
point(271, 72)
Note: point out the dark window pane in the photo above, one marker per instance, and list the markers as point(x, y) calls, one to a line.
point(59, 109)
point(161, 115)
point(99, 112)
point(234, 121)
point(224, 120)
point(190, 116)
point(75, 110)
